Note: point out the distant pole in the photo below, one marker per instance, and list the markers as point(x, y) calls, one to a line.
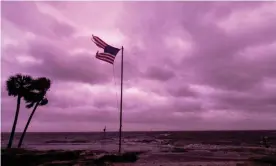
point(103, 142)
point(121, 105)
point(104, 132)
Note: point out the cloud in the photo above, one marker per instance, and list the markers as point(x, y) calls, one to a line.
point(247, 19)
point(187, 66)
point(159, 73)
point(25, 15)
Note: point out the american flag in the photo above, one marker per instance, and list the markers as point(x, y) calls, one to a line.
point(109, 53)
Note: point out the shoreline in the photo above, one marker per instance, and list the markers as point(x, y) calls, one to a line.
point(26, 157)
point(20, 156)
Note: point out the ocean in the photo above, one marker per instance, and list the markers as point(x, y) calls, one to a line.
point(166, 141)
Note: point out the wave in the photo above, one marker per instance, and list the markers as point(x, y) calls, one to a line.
point(66, 141)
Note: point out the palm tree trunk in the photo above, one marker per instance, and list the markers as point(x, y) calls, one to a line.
point(14, 122)
point(27, 125)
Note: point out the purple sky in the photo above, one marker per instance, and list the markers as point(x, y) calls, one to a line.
point(188, 65)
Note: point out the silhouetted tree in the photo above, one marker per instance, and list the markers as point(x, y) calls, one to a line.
point(36, 97)
point(17, 86)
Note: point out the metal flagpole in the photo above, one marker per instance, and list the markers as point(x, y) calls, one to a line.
point(121, 105)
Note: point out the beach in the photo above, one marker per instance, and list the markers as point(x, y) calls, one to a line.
point(222, 148)
point(24, 157)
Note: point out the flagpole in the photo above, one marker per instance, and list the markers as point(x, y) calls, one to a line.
point(121, 105)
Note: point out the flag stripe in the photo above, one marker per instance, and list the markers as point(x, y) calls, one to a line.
point(99, 41)
point(105, 59)
point(107, 55)
point(99, 45)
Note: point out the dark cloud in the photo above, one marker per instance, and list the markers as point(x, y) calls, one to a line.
point(181, 91)
point(159, 73)
point(254, 101)
point(58, 64)
point(186, 65)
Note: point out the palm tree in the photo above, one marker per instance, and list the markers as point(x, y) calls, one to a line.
point(36, 97)
point(17, 85)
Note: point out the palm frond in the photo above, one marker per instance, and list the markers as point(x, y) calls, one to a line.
point(30, 105)
point(31, 96)
point(18, 84)
point(43, 102)
point(42, 83)
point(38, 90)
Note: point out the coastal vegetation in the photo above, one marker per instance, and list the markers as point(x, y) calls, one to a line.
point(33, 91)
point(17, 86)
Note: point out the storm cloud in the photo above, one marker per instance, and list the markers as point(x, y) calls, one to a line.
point(188, 65)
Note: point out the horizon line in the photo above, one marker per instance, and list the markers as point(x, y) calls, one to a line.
point(144, 131)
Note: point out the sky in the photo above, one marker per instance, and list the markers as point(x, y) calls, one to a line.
point(187, 65)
